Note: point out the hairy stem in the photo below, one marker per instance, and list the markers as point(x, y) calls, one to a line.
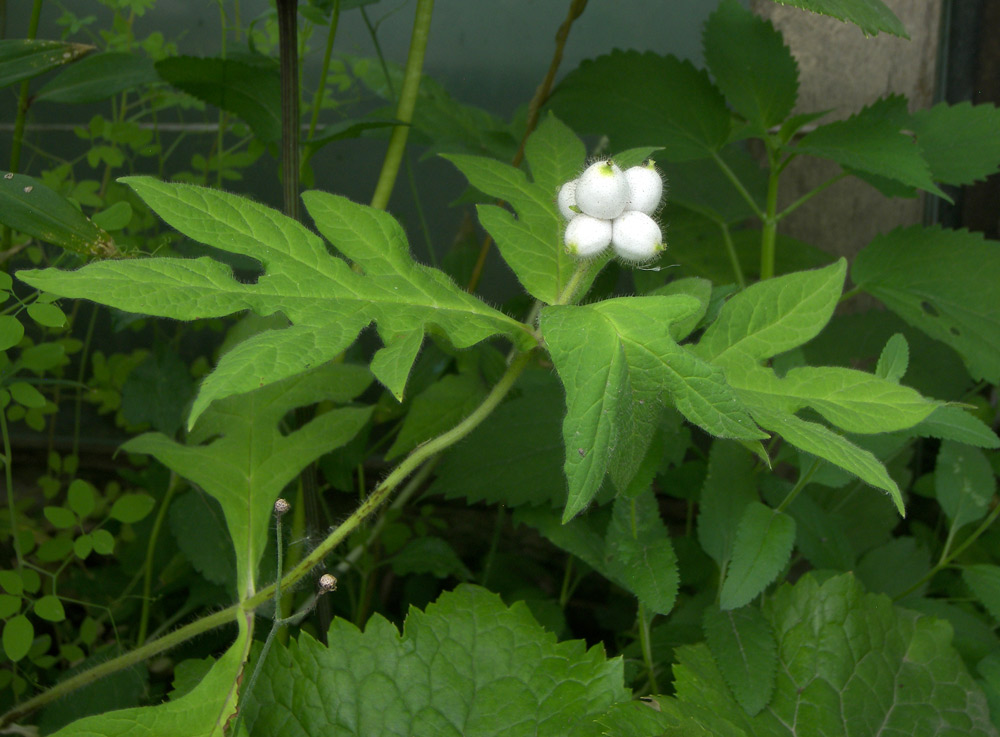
point(406, 105)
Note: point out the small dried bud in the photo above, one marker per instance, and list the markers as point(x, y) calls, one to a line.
point(281, 506)
point(327, 583)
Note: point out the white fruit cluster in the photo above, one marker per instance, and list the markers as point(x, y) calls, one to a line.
point(610, 207)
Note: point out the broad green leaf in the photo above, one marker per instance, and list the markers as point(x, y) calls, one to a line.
point(326, 301)
point(615, 359)
point(104, 542)
point(639, 552)
point(894, 359)
point(871, 16)
point(391, 365)
point(873, 141)
point(24, 58)
point(81, 497)
point(729, 487)
point(467, 666)
point(18, 634)
point(83, 546)
point(32, 208)
point(198, 525)
point(954, 423)
point(960, 142)
point(438, 408)
point(524, 429)
point(824, 443)
point(773, 316)
point(963, 482)
point(248, 87)
point(984, 580)
point(50, 609)
point(98, 77)
point(202, 712)
point(645, 100)
point(751, 65)
point(47, 315)
point(700, 289)
point(24, 393)
point(898, 567)
point(115, 217)
point(942, 282)
point(131, 508)
point(763, 545)
point(11, 331)
point(744, 647)
point(849, 663)
point(238, 454)
point(530, 239)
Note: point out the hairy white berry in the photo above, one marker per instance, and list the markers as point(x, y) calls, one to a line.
point(567, 200)
point(587, 236)
point(602, 191)
point(645, 188)
point(636, 237)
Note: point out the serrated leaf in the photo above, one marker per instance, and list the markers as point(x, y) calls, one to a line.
point(873, 141)
point(202, 712)
point(438, 408)
point(744, 647)
point(50, 609)
point(531, 242)
point(773, 316)
point(824, 443)
point(11, 331)
point(751, 65)
point(764, 540)
point(942, 282)
point(30, 207)
point(984, 580)
point(98, 77)
point(646, 100)
point(81, 497)
point(615, 359)
point(729, 487)
point(249, 88)
point(198, 525)
point(24, 58)
point(959, 142)
point(247, 460)
point(391, 365)
point(894, 359)
point(526, 428)
point(954, 423)
point(963, 483)
point(326, 301)
point(639, 553)
point(494, 671)
point(129, 508)
point(871, 16)
point(18, 634)
point(849, 662)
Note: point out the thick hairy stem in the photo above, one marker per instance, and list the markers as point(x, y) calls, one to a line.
point(379, 496)
point(406, 105)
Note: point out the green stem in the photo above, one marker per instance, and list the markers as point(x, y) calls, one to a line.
point(411, 463)
point(317, 102)
point(769, 235)
point(569, 291)
point(734, 260)
point(566, 589)
point(647, 648)
point(154, 536)
point(731, 176)
point(407, 104)
point(804, 479)
point(9, 480)
point(810, 194)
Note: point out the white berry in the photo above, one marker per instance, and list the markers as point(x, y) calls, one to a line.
point(602, 191)
point(587, 236)
point(567, 200)
point(645, 188)
point(636, 237)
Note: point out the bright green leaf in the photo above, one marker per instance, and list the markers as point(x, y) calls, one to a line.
point(9, 605)
point(11, 331)
point(954, 423)
point(24, 58)
point(942, 282)
point(47, 315)
point(959, 141)
point(104, 542)
point(871, 16)
point(963, 482)
point(18, 634)
point(115, 217)
point(751, 65)
point(129, 508)
point(764, 540)
point(744, 647)
point(392, 364)
point(82, 497)
point(700, 289)
point(894, 359)
point(98, 77)
point(468, 665)
point(50, 609)
point(44, 356)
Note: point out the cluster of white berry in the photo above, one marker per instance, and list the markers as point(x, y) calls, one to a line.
point(610, 207)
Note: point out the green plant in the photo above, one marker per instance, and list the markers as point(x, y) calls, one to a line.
point(732, 498)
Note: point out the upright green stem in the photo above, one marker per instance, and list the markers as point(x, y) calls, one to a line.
point(734, 260)
point(804, 479)
point(9, 480)
point(645, 643)
point(769, 233)
point(406, 105)
point(317, 102)
point(147, 577)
